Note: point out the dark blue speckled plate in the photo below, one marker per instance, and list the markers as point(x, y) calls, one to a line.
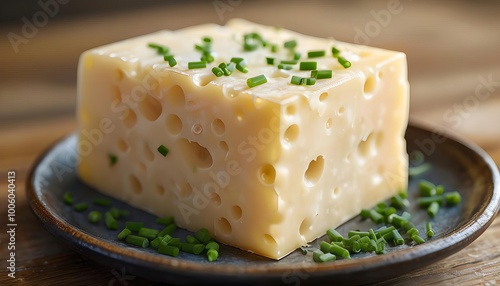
point(457, 165)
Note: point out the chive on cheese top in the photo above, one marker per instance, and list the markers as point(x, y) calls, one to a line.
point(263, 136)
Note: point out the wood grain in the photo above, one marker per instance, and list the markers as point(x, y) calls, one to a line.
point(452, 47)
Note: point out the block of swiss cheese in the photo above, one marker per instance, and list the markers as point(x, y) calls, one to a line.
point(265, 169)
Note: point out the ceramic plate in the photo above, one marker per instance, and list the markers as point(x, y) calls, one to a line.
point(457, 165)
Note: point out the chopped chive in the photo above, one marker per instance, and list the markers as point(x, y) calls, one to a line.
point(349, 241)
point(453, 198)
point(406, 215)
point(166, 238)
point(297, 55)
point(315, 54)
point(345, 63)
point(202, 48)
point(408, 226)
point(428, 229)
point(115, 212)
point(290, 44)
point(433, 209)
point(80, 207)
point(68, 198)
point(217, 71)
point(197, 65)
point(389, 210)
point(376, 217)
point(172, 62)
point(192, 240)
point(316, 255)
point(236, 60)
point(227, 69)
point(155, 243)
point(327, 257)
point(352, 233)
point(296, 80)
point(249, 46)
point(365, 213)
point(168, 250)
point(303, 250)
point(113, 159)
point(174, 241)
point(417, 239)
point(356, 247)
point(284, 67)
point(439, 189)
point(397, 220)
point(160, 49)
point(397, 238)
point(169, 229)
point(399, 203)
point(425, 202)
point(103, 202)
point(165, 220)
point(380, 233)
point(212, 255)
point(310, 81)
point(207, 57)
point(148, 233)
point(203, 235)
point(321, 74)
point(192, 248)
point(94, 216)
point(289, 62)
point(307, 66)
point(426, 188)
point(334, 235)
point(339, 251)
point(335, 52)
point(417, 170)
point(242, 67)
point(270, 61)
point(212, 245)
point(124, 233)
point(163, 150)
point(207, 39)
point(412, 232)
point(274, 48)
point(257, 80)
point(110, 221)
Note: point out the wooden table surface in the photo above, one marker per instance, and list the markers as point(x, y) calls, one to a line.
point(454, 71)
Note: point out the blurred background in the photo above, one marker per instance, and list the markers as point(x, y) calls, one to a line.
point(453, 50)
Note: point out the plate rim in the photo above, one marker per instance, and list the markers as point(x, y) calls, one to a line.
point(462, 235)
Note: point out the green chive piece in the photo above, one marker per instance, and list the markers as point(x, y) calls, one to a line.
point(417, 239)
point(284, 67)
point(197, 65)
point(289, 62)
point(137, 240)
point(212, 245)
point(408, 226)
point(439, 190)
point(426, 188)
point(242, 67)
point(270, 61)
point(376, 217)
point(169, 229)
point(406, 215)
point(113, 159)
point(380, 233)
point(165, 220)
point(334, 235)
point(257, 80)
point(335, 52)
point(297, 55)
point(397, 220)
point(425, 202)
point(352, 233)
point(274, 48)
point(103, 202)
point(345, 63)
point(168, 250)
point(389, 210)
point(80, 207)
point(172, 62)
point(160, 49)
point(110, 221)
point(217, 71)
point(327, 257)
point(207, 57)
point(412, 232)
point(192, 240)
point(236, 60)
point(290, 44)
point(397, 238)
point(203, 235)
point(453, 198)
point(192, 248)
point(316, 255)
point(339, 251)
point(155, 243)
point(307, 66)
point(321, 74)
point(166, 238)
point(163, 150)
point(174, 241)
point(94, 216)
point(428, 229)
point(349, 241)
point(134, 225)
point(417, 170)
point(114, 212)
point(399, 203)
point(207, 39)
point(315, 54)
point(227, 68)
point(68, 198)
point(296, 80)
point(124, 233)
point(365, 213)
point(433, 209)
point(310, 81)
point(148, 233)
point(212, 255)
point(303, 250)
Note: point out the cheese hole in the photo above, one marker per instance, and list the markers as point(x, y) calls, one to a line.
point(291, 110)
point(195, 155)
point(370, 85)
point(291, 133)
point(122, 145)
point(218, 127)
point(223, 146)
point(323, 96)
point(314, 171)
point(117, 94)
point(329, 123)
point(160, 190)
point(305, 227)
point(135, 184)
point(130, 118)
point(335, 191)
point(175, 96)
point(365, 146)
point(267, 174)
point(118, 75)
point(148, 154)
point(215, 198)
point(150, 108)
point(340, 110)
point(269, 239)
point(174, 124)
point(185, 190)
point(236, 212)
point(223, 226)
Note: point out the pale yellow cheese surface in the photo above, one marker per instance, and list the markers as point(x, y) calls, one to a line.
point(265, 169)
